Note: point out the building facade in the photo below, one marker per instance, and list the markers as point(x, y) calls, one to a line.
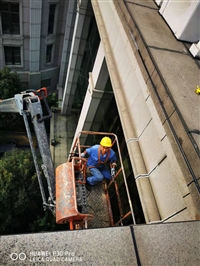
point(35, 40)
point(141, 86)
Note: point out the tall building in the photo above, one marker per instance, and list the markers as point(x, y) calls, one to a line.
point(137, 78)
point(127, 67)
point(35, 40)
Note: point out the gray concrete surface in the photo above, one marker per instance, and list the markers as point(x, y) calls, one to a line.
point(62, 130)
point(172, 75)
point(178, 69)
point(169, 244)
point(153, 245)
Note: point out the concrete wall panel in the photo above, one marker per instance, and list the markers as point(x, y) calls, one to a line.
point(174, 167)
point(26, 14)
point(156, 119)
point(184, 215)
point(151, 147)
point(122, 61)
point(98, 64)
point(108, 15)
point(26, 3)
point(166, 190)
point(140, 114)
point(171, 244)
point(132, 87)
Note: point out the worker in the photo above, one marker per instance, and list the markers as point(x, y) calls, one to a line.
point(99, 155)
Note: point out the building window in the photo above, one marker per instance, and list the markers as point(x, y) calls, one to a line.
point(10, 18)
point(52, 10)
point(46, 82)
point(49, 53)
point(12, 55)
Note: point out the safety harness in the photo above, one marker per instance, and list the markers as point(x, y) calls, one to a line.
point(99, 160)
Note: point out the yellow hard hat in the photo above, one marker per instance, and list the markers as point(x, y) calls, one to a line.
point(106, 142)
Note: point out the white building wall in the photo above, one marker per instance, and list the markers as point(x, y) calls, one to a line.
point(35, 32)
point(89, 100)
point(183, 18)
point(165, 174)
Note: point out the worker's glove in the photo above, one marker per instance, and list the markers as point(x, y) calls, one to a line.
point(82, 155)
point(113, 172)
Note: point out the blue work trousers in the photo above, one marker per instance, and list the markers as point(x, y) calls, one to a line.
point(98, 174)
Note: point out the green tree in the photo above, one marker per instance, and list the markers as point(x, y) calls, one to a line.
point(21, 209)
point(20, 199)
point(9, 83)
point(9, 86)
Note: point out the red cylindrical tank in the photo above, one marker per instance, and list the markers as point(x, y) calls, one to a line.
point(66, 202)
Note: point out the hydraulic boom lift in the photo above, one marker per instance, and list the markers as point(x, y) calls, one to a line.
point(68, 204)
point(66, 196)
point(28, 105)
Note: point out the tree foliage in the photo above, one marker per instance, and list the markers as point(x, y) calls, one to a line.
point(9, 86)
point(20, 200)
point(19, 197)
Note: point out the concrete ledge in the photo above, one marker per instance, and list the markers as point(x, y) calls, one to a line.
point(169, 244)
point(155, 244)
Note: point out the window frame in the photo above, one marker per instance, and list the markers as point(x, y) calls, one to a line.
point(52, 54)
point(21, 57)
point(10, 23)
point(55, 18)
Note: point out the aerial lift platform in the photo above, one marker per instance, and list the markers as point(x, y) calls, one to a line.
point(97, 202)
point(67, 198)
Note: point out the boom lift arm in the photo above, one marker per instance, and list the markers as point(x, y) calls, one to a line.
point(28, 104)
point(66, 197)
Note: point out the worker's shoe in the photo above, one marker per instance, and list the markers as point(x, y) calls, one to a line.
point(88, 186)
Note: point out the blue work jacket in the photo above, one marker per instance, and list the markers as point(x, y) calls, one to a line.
point(93, 159)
